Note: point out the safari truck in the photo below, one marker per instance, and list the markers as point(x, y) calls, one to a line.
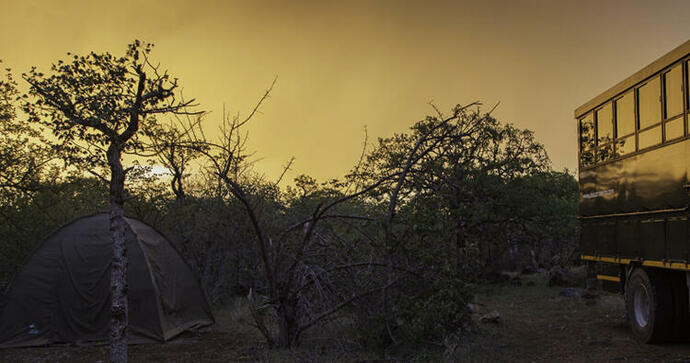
point(634, 159)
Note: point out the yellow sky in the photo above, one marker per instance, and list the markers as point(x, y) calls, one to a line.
point(344, 65)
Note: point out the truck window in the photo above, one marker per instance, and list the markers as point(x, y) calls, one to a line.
point(587, 141)
point(649, 110)
point(650, 137)
point(625, 114)
point(625, 145)
point(674, 128)
point(673, 86)
point(605, 124)
point(605, 132)
point(649, 107)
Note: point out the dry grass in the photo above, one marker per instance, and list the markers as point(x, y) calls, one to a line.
point(231, 339)
point(536, 324)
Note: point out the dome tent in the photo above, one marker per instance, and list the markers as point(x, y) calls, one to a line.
point(62, 294)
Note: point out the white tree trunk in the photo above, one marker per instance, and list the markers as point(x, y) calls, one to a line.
point(118, 271)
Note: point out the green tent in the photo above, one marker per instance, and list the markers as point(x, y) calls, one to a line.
point(62, 295)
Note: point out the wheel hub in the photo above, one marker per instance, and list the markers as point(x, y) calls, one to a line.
point(641, 305)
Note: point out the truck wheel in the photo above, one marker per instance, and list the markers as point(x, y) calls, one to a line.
point(649, 305)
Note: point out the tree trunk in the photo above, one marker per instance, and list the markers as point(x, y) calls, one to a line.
point(118, 270)
point(288, 329)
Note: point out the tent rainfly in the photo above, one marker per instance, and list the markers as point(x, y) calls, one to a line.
point(62, 295)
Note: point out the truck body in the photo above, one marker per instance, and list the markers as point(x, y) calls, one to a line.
point(634, 143)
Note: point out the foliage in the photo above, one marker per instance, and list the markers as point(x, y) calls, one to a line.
point(482, 197)
point(96, 100)
point(397, 247)
point(32, 217)
point(24, 155)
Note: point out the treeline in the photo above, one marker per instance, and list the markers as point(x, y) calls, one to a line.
point(396, 246)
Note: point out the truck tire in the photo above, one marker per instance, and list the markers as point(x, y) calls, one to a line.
point(649, 304)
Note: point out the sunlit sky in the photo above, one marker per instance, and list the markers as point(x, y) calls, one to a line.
point(346, 65)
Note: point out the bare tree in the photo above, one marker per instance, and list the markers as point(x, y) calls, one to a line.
point(301, 261)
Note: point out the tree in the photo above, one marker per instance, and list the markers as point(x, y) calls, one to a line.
point(169, 148)
point(56, 200)
point(23, 156)
point(24, 162)
point(472, 171)
point(295, 255)
point(467, 197)
point(100, 107)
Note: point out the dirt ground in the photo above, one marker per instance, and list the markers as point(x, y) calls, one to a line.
point(535, 323)
point(539, 324)
point(211, 346)
point(231, 339)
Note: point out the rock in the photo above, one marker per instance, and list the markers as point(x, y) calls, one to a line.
point(499, 276)
point(491, 317)
point(516, 281)
point(590, 294)
point(570, 292)
point(599, 341)
point(507, 276)
point(557, 276)
point(476, 308)
point(528, 270)
point(495, 277)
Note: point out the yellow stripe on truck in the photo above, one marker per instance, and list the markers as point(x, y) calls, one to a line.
point(609, 278)
point(624, 261)
point(651, 263)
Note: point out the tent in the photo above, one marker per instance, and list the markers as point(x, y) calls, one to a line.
point(62, 294)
